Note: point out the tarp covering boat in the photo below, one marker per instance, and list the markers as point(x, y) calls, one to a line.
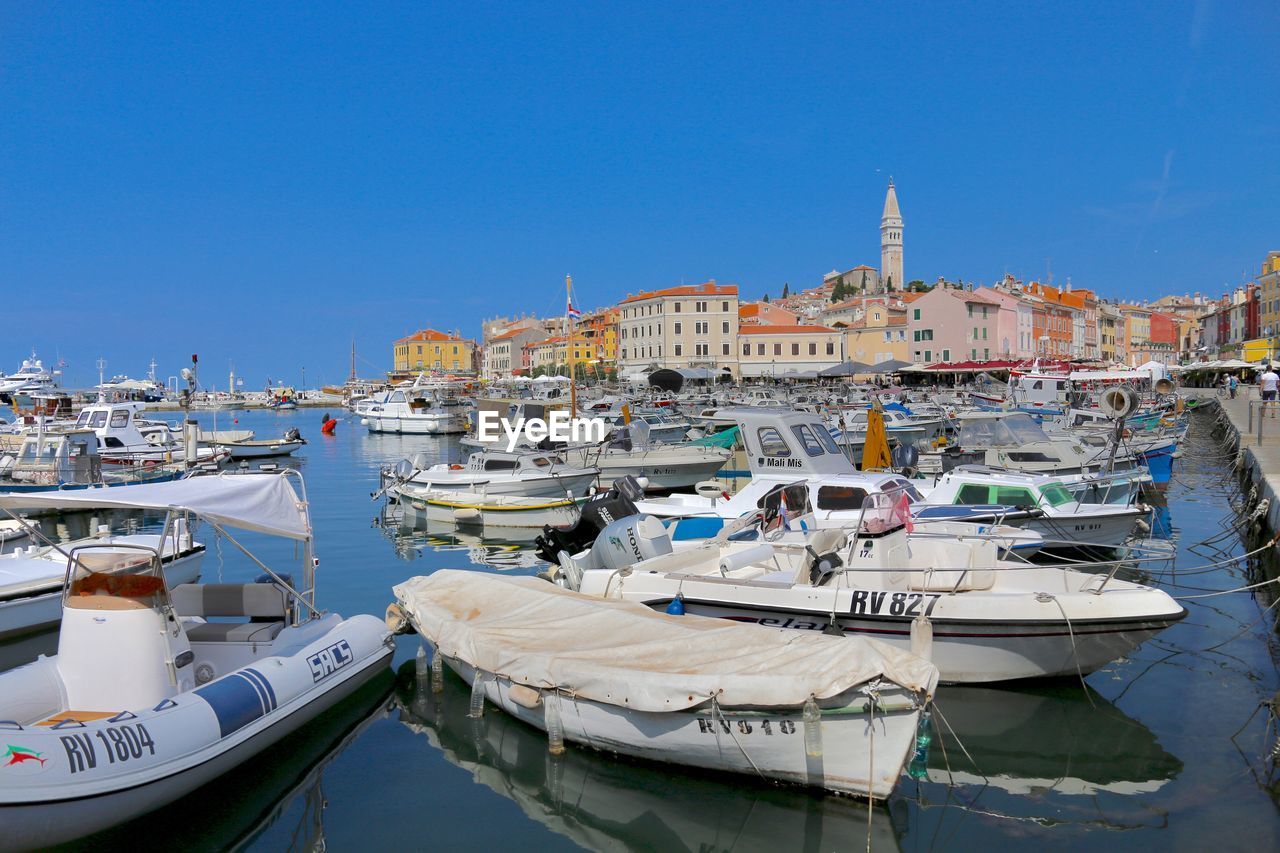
point(265, 503)
point(623, 653)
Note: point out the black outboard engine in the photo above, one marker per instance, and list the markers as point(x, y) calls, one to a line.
point(598, 512)
point(292, 434)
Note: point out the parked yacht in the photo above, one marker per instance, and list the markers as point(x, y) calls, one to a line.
point(630, 452)
point(32, 376)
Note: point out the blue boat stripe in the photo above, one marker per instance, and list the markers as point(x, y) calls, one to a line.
point(235, 700)
point(266, 686)
point(257, 690)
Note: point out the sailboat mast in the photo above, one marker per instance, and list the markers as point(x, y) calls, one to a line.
point(568, 346)
point(352, 377)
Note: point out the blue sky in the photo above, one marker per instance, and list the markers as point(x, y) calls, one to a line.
point(261, 182)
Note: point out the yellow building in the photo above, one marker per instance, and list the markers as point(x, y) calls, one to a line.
point(553, 353)
point(431, 350)
point(878, 335)
point(1269, 304)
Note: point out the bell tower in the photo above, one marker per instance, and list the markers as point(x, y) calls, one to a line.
point(891, 243)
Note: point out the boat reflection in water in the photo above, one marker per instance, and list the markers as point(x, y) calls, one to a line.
point(604, 802)
point(261, 805)
point(1044, 740)
point(410, 532)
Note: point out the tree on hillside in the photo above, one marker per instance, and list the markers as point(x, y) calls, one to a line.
point(915, 284)
point(888, 284)
point(786, 289)
point(864, 281)
point(766, 298)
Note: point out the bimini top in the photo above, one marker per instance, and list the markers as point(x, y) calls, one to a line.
point(265, 503)
point(543, 636)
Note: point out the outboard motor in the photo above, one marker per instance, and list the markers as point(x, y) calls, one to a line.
point(292, 434)
point(598, 512)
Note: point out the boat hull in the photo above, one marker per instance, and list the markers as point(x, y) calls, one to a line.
point(59, 805)
point(451, 424)
point(967, 651)
point(492, 512)
point(861, 753)
point(261, 450)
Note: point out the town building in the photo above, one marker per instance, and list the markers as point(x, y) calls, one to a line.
point(686, 326)
point(766, 313)
point(503, 353)
point(1269, 305)
point(951, 324)
point(878, 335)
point(429, 350)
point(774, 351)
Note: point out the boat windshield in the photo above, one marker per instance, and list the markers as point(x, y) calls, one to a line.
point(883, 512)
point(1008, 431)
point(1056, 494)
point(114, 576)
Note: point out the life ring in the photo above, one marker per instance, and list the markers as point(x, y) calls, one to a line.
point(455, 467)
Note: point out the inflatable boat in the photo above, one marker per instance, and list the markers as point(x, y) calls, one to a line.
point(158, 690)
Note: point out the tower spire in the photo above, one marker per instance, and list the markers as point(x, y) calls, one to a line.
point(891, 277)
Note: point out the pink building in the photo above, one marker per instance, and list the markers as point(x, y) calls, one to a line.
point(947, 324)
point(1014, 324)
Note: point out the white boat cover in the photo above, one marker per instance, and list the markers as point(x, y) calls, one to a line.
point(266, 503)
point(622, 653)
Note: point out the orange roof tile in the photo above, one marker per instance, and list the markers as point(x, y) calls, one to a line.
point(429, 335)
point(782, 330)
point(708, 289)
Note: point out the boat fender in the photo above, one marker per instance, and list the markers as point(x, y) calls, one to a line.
point(745, 557)
point(676, 607)
point(397, 620)
point(524, 696)
point(922, 637)
point(455, 467)
point(329, 426)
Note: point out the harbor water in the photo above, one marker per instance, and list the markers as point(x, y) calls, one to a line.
point(1166, 748)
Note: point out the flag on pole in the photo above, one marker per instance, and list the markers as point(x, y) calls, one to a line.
point(573, 313)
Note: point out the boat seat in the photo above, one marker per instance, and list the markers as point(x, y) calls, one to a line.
point(266, 606)
point(234, 632)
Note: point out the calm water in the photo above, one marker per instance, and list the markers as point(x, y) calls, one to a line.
point(1142, 758)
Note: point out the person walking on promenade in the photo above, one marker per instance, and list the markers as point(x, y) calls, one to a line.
point(1267, 382)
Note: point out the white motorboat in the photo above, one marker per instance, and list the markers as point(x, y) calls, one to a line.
point(897, 424)
point(149, 697)
point(467, 506)
point(800, 708)
point(1014, 440)
point(31, 578)
point(420, 409)
point(128, 438)
point(1064, 522)
point(70, 459)
point(490, 473)
point(263, 448)
point(985, 619)
point(631, 452)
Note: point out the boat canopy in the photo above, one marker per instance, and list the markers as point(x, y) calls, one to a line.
point(264, 503)
point(545, 637)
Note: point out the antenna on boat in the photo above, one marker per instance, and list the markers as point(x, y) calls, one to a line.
point(102, 366)
point(568, 345)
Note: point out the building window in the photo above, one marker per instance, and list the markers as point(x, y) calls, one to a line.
point(813, 349)
point(677, 328)
point(946, 355)
point(831, 348)
point(777, 349)
point(888, 336)
point(724, 348)
point(915, 314)
point(700, 307)
point(724, 306)
point(677, 307)
point(928, 355)
point(795, 349)
point(678, 348)
point(915, 336)
point(724, 327)
point(746, 349)
point(970, 307)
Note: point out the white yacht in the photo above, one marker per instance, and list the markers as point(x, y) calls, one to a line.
point(128, 438)
point(32, 376)
point(417, 410)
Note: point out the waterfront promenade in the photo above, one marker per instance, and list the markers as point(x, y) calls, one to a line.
point(1259, 441)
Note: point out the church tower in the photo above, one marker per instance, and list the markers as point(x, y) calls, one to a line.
point(891, 243)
